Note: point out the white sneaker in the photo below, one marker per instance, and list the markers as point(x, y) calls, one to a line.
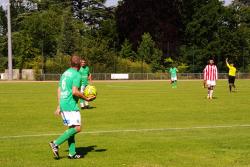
point(82, 105)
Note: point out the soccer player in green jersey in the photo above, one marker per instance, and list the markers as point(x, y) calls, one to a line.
point(173, 73)
point(85, 78)
point(68, 94)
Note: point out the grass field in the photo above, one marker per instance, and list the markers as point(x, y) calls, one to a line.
point(131, 124)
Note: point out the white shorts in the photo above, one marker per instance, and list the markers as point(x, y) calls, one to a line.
point(174, 78)
point(211, 83)
point(82, 88)
point(71, 118)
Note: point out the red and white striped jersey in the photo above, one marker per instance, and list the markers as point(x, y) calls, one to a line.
point(210, 72)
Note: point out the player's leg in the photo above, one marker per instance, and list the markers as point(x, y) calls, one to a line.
point(230, 83)
point(86, 103)
point(172, 82)
point(233, 83)
point(211, 92)
point(208, 91)
point(69, 119)
point(82, 102)
point(61, 139)
point(72, 145)
point(213, 84)
point(175, 82)
point(208, 83)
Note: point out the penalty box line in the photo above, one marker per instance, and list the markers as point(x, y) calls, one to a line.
point(135, 130)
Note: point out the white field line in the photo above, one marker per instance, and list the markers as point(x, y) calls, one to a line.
point(135, 130)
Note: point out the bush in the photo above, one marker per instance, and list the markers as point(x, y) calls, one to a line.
point(58, 64)
point(128, 66)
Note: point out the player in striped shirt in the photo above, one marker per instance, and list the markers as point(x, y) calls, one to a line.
point(210, 76)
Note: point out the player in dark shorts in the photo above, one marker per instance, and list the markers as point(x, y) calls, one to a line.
point(231, 75)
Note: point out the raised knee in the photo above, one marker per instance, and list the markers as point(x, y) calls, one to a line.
point(78, 129)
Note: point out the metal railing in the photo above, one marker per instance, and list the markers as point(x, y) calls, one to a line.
point(146, 76)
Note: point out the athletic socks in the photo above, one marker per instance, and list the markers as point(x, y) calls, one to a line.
point(65, 136)
point(211, 94)
point(72, 145)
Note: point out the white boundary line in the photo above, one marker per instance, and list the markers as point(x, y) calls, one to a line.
point(136, 130)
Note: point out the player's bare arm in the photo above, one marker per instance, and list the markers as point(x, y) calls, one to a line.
point(57, 112)
point(90, 78)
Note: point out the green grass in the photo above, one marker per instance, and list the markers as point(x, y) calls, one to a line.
point(27, 109)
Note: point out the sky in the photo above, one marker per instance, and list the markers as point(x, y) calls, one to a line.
point(108, 3)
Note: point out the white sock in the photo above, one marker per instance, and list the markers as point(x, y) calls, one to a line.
point(86, 103)
point(82, 105)
point(211, 93)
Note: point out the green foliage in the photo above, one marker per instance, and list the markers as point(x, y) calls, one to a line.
point(96, 51)
point(214, 32)
point(92, 12)
point(189, 32)
point(3, 22)
point(3, 63)
point(127, 51)
point(58, 64)
point(128, 66)
point(148, 52)
point(182, 68)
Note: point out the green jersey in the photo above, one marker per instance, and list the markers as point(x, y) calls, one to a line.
point(70, 78)
point(84, 72)
point(173, 72)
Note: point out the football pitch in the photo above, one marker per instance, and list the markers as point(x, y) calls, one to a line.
point(130, 124)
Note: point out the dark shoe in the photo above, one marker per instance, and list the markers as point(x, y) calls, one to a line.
point(54, 149)
point(76, 156)
point(87, 107)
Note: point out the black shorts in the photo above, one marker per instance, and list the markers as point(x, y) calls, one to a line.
point(231, 79)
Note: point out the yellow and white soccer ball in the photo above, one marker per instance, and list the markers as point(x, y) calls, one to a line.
point(90, 91)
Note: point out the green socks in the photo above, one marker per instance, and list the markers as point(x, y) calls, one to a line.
point(72, 145)
point(65, 136)
point(174, 84)
point(82, 101)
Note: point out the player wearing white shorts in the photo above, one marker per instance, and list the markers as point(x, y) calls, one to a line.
point(85, 78)
point(173, 74)
point(210, 76)
point(68, 95)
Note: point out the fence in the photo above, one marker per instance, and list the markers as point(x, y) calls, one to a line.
point(146, 76)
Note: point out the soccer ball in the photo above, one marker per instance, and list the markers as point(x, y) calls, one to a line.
point(89, 91)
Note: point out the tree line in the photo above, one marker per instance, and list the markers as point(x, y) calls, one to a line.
point(136, 36)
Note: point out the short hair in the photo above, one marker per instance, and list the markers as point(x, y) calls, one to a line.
point(75, 61)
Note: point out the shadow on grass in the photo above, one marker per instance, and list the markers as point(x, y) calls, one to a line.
point(85, 150)
point(89, 108)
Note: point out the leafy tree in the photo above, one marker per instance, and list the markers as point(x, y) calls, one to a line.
point(3, 40)
point(127, 51)
point(148, 52)
point(242, 2)
point(3, 22)
point(211, 33)
point(160, 18)
point(91, 12)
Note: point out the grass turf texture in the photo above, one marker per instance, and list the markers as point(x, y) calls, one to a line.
point(27, 109)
